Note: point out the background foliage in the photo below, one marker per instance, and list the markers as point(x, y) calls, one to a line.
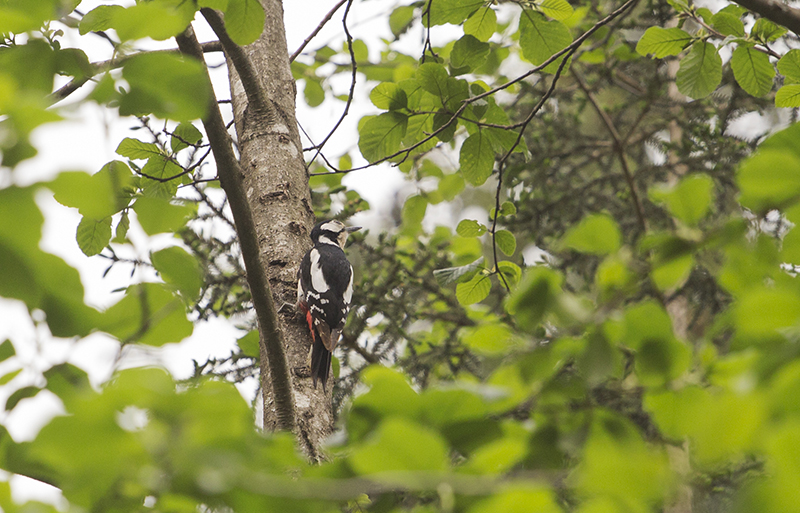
point(616, 331)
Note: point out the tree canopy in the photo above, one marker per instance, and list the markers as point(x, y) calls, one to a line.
point(610, 326)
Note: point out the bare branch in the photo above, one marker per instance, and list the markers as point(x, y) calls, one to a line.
point(117, 62)
point(619, 148)
point(405, 152)
point(256, 97)
point(313, 34)
point(354, 68)
point(230, 178)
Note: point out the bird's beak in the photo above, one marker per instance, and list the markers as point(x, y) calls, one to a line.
point(351, 229)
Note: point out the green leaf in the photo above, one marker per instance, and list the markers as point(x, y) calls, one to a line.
point(597, 234)
point(766, 31)
point(179, 268)
point(789, 64)
point(400, 445)
point(99, 19)
point(540, 38)
point(661, 361)
point(136, 149)
point(313, 92)
point(672, 271)
point(616, 460)
point(67, 382)
point(728, 24)
point(752, 70)
point(158, 215)
point(249, 344)
point(389, 96)
point(414, 212)
point(19, 16)
point(6, 350)
point(470, 228)
point(508, 209)
point(506, 242)
point(93, 235)
point(382, 135)
point(762, 312)
point(220, 5)
point(719, 423)
point(788, 96)
point(165, 85)
point(690, 200)
point(663, 42)
point(557, 9)
point(95, 196)
point(474, 291)
point(244, 21)
point(510, 271)
point(451, 11)
point(451, 186)
point(518, 499)
point(74, 62)
point(468, 53)
point(476, 158)
point(148, 314)
point(538, 293)
point(184, 135)
point(482, 24)
point(400, 19)
point(449, 275)
point(433, 78)
point(158, 19)
point(19, 395)
point(768, 179)
point(700, 71)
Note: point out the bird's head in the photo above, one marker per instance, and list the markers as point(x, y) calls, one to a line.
point(332, 232)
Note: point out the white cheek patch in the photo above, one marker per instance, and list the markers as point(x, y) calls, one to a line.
point(332, 226)
point(348, 294)
point(318, 282)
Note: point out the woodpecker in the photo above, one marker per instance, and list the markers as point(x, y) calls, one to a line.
point(324, 291)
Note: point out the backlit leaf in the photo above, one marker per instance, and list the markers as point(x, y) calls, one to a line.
point(244, 21)
point(481, 24)
point(475, 290)
point(597, 234)
point(93, 235)
point(700, 71)
point(476, 159)
point(540, 38)
point(381, 135)
point(752, 70)
point(557, 9)
point(662, 42)
point(470, 228)
point(506, 242)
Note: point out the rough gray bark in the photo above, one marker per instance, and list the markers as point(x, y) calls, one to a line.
point(276, 185)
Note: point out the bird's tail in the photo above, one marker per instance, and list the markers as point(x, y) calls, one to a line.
point(320, 363)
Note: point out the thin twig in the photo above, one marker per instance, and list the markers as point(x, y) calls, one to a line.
point(117, 62)
point(503, 161)
point(619, 148)
point(354, 68)
point(405, 152)
point(256, 96)
point(325, 20)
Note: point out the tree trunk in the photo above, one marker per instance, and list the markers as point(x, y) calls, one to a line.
point(276, 184)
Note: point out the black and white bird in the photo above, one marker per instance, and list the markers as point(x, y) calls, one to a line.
point(324, 291)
